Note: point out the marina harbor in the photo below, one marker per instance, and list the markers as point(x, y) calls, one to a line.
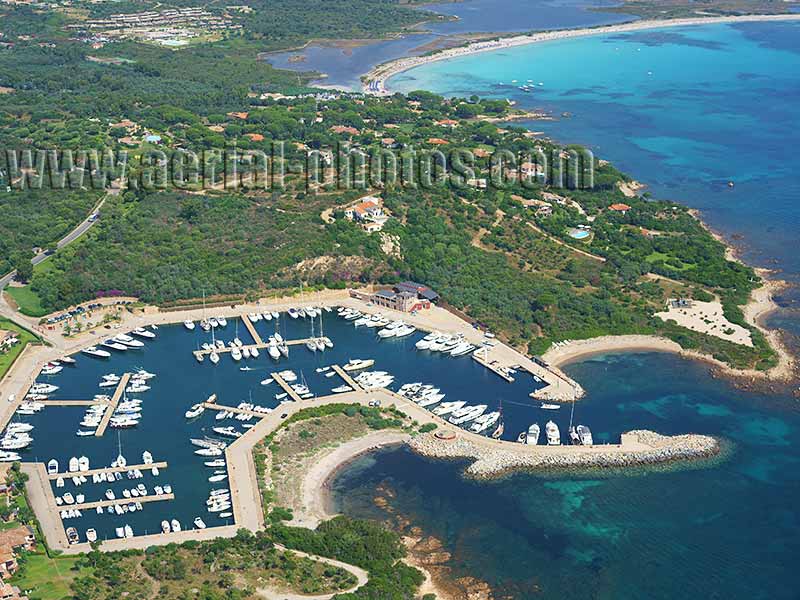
point(199, 397)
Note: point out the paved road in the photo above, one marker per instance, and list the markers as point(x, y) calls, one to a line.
point(73, 235)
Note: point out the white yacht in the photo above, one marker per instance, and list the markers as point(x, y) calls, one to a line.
point(213, 357)
point(484, 422)
point(467, 414)
point(165, 528)
point(91, 535)
point(176, 525)
point(356, 364)
point(532, 437)
point(445, 408)
point(52, 467)
point(96, 352)
point(143, 333)
point(553, 434)
point(195, 411)
point(198, 522)
point(189, 324)
point(585, 435)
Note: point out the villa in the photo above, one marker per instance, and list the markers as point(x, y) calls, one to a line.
point(12, 540)
point(369, 213)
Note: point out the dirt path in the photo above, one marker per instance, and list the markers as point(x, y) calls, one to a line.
point(359, 573)
point(565, 244)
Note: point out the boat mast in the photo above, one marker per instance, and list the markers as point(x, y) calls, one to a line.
point(572, 411)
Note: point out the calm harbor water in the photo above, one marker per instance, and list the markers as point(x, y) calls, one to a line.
point(181, 382)
point(345, 65)
point(685, 111)
point(676, 534)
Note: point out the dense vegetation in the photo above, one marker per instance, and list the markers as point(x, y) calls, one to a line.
point(361, 543)
point(488, 252)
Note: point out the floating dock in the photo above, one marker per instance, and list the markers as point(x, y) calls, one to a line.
point(67, 475)
point(120, 501)
point(123, 383)
point(260, 346)
point(346, 378)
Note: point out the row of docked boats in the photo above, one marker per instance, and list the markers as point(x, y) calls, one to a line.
point(121, 342)
point(454, 345)
point(580, 435)
point(17, 436)
point(471, 417)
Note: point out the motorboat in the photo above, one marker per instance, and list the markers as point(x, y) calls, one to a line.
point(143, 333)
point(147, 458)
point(446, 408)
point(546, 406)
point(532, 436)
point(114, 345)
point(72, 535)
point(484, 422)
point(214, 357)
point(74, 465)
point(189, 324)
point(467, 414)
point(222, 321)
point(128, 531)
point(357, 364)
point(91, 535)
point(553, 434)
point(585, 435)
point(165, 528)
point(52, 467)
point(198, 522)
point(195, 411)
point(176, 525)
point(96, 352)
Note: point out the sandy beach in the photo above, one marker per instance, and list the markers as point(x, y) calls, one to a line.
point(380, 75)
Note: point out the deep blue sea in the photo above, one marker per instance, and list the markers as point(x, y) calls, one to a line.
point(684, 110)
point(344, 66)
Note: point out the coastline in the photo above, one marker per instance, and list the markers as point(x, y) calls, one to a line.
point(379, 75)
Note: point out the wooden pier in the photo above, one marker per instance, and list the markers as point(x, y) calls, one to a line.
point(236, 410)
point(252, 329)
point(482, 358)
point(112, 406)
point(120, 501)
point(160, 465)
point(346, 377)
point(286, 387)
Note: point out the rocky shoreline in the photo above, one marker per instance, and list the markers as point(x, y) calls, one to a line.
point(638, 448)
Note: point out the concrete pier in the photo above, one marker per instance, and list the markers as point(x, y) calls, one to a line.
point(123, 383)
point(233, 409)
point(252, 330)
point(286, 387)
point(346, 378)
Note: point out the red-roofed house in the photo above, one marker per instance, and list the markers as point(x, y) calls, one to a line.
point(620, 207)
point(345, 129)
point(447, 123)
point(437, 141)
point(255, 137)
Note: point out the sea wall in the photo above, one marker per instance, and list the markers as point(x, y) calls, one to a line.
point(638, 448)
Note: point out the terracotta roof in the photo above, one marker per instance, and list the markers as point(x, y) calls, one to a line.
point(620, 207)
point(437, 141)
point(344, 129)
point(255, 137)
point(238, 115)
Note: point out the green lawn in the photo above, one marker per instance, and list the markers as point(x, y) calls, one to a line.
point(47, 578)
point(27, 301)
point(25, 337)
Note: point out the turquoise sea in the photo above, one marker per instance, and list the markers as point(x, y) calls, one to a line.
point(343, 67)
point(684, 110)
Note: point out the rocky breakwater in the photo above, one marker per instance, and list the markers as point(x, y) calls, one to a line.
point(492, 458)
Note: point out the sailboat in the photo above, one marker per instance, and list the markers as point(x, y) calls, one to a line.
point(120, 460)
point(204, 322)
point(311, 343)
point(325, 341)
